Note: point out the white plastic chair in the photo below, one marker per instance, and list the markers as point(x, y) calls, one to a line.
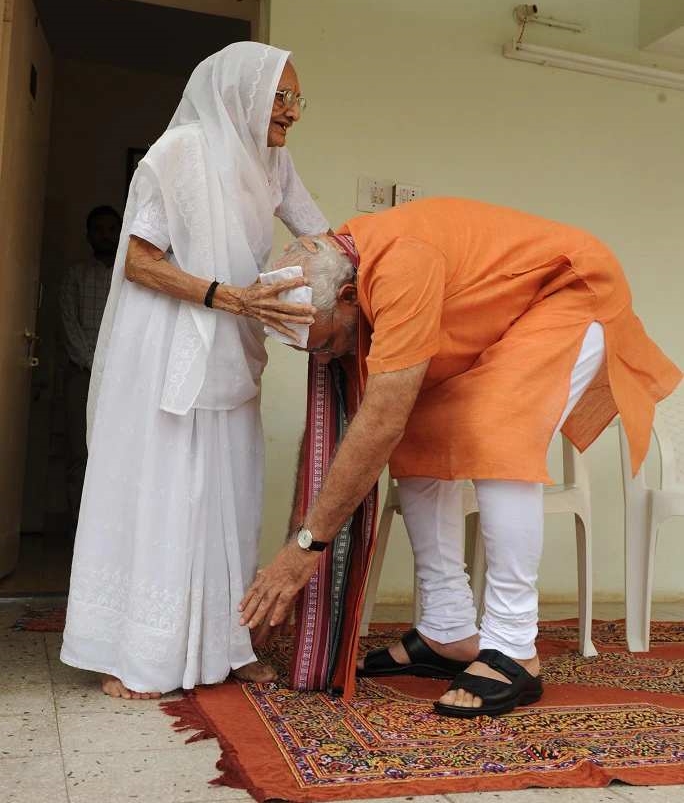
point(572, 496)
point(646, 509)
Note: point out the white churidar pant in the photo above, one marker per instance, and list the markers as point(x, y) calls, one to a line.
point(512, 524)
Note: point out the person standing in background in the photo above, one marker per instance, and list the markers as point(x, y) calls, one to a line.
point(82, 300)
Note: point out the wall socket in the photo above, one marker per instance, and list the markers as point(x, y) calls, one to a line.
point(374, 194)
point(405, 193)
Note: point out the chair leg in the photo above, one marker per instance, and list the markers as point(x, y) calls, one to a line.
point(476, 562)
point(640, 544)
point(584, 585)
point(376, 568)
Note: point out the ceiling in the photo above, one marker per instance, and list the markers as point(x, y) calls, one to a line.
point(136, 35)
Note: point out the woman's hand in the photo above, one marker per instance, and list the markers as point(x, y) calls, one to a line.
point(261, 302)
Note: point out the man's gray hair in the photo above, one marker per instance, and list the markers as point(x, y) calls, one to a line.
point(326, 270)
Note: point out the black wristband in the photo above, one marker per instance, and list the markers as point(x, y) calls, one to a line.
point(209, 297)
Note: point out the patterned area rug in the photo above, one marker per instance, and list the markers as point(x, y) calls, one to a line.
point(619, 716)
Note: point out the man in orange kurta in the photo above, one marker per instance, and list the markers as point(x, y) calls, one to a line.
point(488, 330)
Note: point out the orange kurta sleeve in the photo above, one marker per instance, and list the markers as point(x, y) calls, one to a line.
point(402, 297)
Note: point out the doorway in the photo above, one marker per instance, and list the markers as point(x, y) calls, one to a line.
point(119, 69)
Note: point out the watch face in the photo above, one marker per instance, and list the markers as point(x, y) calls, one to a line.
point(304, 539)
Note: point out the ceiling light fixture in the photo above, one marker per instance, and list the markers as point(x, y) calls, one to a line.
point(579, 62)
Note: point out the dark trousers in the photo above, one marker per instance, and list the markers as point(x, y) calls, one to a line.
point(76, 382)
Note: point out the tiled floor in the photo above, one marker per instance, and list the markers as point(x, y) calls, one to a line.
point(62, 741)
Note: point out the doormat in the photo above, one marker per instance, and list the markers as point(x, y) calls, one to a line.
point(619, 716)
point(43, 620)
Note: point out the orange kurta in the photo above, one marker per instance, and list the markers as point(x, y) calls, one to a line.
point(499, 302)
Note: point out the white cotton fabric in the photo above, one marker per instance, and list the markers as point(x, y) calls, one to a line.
point(297, 295)
point(170, 514)
point(512, 524)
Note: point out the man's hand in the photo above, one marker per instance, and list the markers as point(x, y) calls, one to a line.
point(374, 432)
point(272, 593)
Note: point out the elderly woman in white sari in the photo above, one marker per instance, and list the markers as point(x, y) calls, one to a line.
point(167, 538)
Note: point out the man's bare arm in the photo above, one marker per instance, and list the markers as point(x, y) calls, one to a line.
point(297, 515)
point(373, 435)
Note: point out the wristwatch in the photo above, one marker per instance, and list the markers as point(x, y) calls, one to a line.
point(306, 541)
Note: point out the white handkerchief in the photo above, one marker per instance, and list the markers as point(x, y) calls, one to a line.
point(298, 295)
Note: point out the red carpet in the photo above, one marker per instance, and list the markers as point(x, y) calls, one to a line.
point(618, 716)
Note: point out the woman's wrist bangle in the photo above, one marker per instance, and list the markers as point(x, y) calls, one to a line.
point(209, 297)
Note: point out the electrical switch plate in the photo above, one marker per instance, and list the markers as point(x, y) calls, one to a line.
point(404, 193)
point(374, 194)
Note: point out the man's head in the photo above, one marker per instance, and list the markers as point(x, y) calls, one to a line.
point(103, 227)
point(332, 278)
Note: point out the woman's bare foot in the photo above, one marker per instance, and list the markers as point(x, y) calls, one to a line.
point(256, 672)
point(464, 699)
point(115, 688)
point(464, 650)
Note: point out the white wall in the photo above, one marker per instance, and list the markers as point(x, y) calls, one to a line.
point(420, 92)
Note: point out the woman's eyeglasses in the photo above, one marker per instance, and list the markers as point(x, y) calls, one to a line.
point(288, 98)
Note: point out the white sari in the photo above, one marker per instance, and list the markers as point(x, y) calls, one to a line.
point(170, 514)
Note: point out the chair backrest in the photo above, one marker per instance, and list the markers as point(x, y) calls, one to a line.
point(668, 426)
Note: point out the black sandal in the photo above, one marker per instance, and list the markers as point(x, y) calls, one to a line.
point(497, 697)
point(425, 662)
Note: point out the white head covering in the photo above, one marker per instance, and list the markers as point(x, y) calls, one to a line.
point(230, 95)
point(213, 168)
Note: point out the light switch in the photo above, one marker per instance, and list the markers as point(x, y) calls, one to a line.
point(374, 194)
point(405, 193)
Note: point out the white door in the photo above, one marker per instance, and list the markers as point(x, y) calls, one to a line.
point(25, 99)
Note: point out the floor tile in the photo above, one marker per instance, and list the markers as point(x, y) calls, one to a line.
point(28, 735)
point(392, 613)
point(85, 696)
point(412, 799)
point(61, 672)
point(53, 644)
point(171, 776)
point(237, 796)
point(670, 613)
point(10, 611)
point(601, 795)
point(39, 779)
point(26, 698)
point(650, 794)
point(23, 659)
point(21, 646)
point(138, 725)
